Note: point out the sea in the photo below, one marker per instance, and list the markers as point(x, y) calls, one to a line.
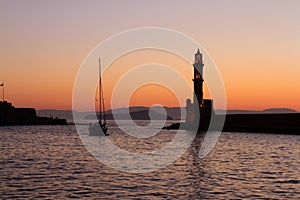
point(52, 162)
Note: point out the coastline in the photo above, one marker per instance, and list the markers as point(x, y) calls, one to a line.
point(11, 116)
point(252, 123)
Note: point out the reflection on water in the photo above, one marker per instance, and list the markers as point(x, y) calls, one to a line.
point(51, 162)
point(135, 154)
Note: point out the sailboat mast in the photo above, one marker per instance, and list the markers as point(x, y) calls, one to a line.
point(100, 95)
point(103, 108)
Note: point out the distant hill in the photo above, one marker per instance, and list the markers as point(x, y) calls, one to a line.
point(124, 110)
point(137, 112)
point(279, 110)
point(142, 112)
point(173, 112)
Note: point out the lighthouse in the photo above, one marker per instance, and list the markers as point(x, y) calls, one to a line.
point(198, 112)
point(198, 78)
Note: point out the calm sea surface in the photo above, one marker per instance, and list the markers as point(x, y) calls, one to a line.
point(52, 162)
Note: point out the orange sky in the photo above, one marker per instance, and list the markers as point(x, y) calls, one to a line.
point(255, 45)
point(143, 97)
point(148, 94)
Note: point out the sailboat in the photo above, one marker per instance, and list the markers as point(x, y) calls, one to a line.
point(99, 128)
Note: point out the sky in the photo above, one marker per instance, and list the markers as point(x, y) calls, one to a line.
point(255, 45)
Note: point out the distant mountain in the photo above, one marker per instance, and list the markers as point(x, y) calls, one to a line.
point(125, 110)
point(141, 111)
point(279, 110)
point(146, 114)
point(173, 112)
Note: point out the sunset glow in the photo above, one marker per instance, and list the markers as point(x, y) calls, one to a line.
point(150, 95)
point(255, 45)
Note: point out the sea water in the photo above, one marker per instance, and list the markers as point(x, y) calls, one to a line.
point(52, 162)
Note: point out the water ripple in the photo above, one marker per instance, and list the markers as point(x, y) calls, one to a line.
point(50, 162)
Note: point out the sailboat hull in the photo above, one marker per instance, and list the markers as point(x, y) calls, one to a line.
point(97, 130)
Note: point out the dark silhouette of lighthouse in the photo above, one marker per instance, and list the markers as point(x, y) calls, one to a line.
point(199, 112)
point(198, 78)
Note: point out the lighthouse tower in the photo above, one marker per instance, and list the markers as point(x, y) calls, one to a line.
point(199, 112)
point(198, 78)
